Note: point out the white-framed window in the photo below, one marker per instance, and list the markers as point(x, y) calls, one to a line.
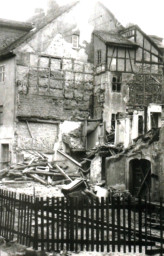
point(75, 41)
point(2, 73)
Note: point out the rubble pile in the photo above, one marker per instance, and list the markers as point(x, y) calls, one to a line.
point(37, 175)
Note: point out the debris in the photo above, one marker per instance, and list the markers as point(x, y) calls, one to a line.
point(62, 172)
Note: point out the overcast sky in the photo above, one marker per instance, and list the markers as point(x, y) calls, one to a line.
point(148, 14)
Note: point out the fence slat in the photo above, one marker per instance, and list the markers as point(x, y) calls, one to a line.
point(129, 222)
point(82, 225)
point(124, 224)
point(102, 224)
point(113, 223)
point(118, 223)
point(140, 224)
point(97, 228)
point(35, 242)
point(92, 224)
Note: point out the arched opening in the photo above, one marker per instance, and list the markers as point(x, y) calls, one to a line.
point(139, 177)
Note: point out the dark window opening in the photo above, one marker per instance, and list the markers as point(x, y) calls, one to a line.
point(155, 120)
point(113, 122)
point(140, 125)
point(99, 57)
point(116, 83)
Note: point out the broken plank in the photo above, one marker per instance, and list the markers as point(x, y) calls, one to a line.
point(70, 158)
point(37, 178)
point(64, 174)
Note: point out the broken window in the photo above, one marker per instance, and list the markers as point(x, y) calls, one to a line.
point(113, 122)
point(1, 114)
point(99, 57)
point(75, 41)
point(140, 125)
point(116, 83)
point(2, 73)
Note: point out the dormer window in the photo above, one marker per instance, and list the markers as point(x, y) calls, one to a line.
point(75, 41)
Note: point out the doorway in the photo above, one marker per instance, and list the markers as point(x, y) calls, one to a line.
point(139, 177)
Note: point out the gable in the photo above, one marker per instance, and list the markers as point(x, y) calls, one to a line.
point(148, 50)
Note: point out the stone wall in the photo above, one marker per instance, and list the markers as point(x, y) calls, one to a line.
point(54, 92)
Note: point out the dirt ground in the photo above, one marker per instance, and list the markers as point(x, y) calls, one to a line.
point(19, 250)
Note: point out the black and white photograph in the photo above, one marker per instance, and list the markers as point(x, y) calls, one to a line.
point(81, 127)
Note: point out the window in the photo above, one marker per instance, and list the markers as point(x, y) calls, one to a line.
point(2, 73)
point(5, 155)
point(1, 114)
point(99, 57)
point(113, 122)
point(116, 83)
point(155, 117)
point(140, 125)
point(75, 41)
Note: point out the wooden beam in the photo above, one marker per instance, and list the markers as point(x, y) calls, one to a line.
point(143, 182)
point(70, 158)
point(63, 173)
point(29, 130)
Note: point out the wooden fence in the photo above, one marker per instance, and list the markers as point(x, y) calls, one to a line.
point(55, 224)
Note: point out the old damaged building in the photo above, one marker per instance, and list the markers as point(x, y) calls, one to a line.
point(128, 97)
point(46, 80)
point(70, 88)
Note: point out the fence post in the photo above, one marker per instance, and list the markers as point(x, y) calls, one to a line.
point(35, 241)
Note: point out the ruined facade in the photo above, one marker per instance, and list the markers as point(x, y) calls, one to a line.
point(48, 82)
point(67, 87)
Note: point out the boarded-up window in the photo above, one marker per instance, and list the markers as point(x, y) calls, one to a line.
point(2, 73)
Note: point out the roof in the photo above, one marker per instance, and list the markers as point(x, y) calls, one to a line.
point(25, 26)
point(114, 38)
point(143, 33)
point(25, 38)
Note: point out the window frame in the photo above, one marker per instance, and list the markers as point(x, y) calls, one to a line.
point(2, 73)
point(99, 57)
point(116, 85)
point(76, 46)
